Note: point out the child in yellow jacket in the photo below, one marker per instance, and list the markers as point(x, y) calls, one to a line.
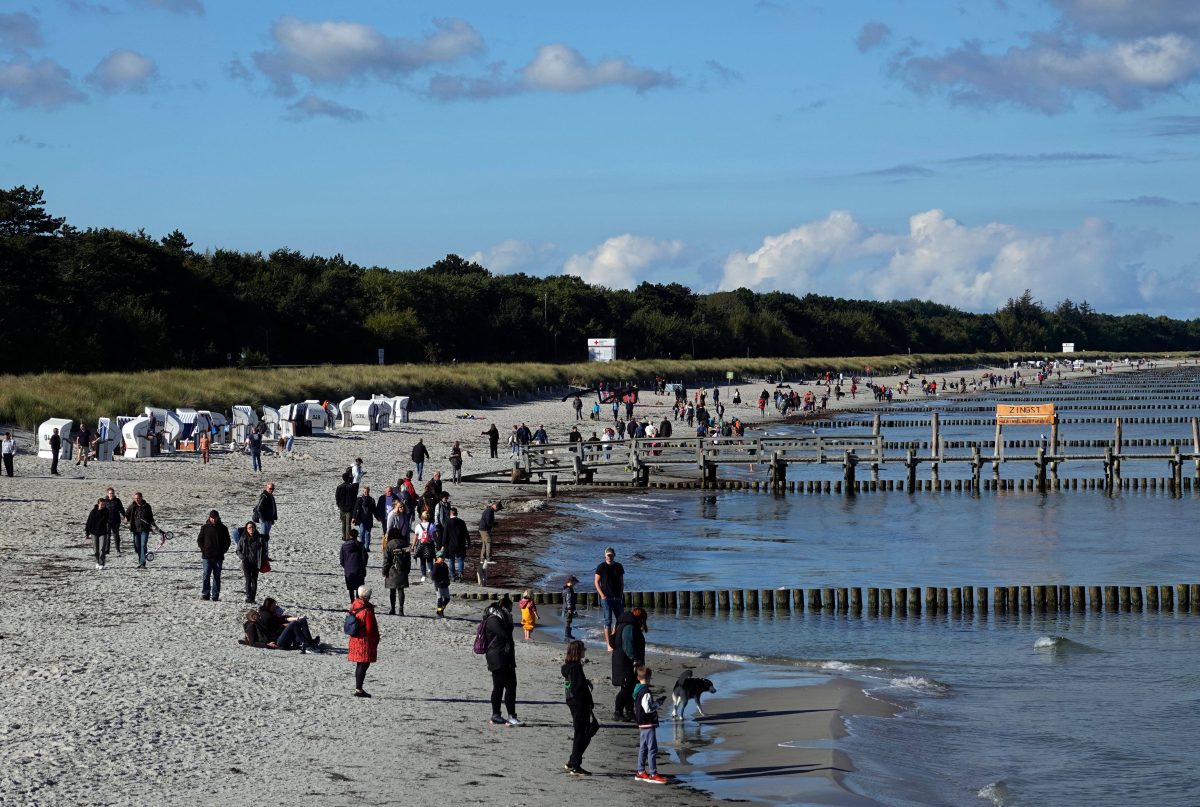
point(529, 613)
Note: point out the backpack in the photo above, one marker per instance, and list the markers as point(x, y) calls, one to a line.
point(353, 625)
point(481, 643)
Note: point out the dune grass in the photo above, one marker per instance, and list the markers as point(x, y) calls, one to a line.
point(27, 400)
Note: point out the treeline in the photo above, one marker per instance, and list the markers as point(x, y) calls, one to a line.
point(104, 299)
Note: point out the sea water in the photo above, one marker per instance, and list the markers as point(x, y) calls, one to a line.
point(1061, 708)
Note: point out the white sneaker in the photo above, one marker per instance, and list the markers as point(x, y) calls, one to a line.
point(422, 580)
point(97, 567)
point(513, 720)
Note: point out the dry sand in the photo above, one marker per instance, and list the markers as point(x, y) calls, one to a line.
point(122, 687)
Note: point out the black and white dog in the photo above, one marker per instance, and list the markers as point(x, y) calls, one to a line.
point(687, 689)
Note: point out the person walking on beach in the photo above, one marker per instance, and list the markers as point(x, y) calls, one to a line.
point(502, 660)
point(214, 543)
point(397, 564)
point(578, 405)
point(364, 642)
point(364, 517)
point(8, 450)
point(345, 496)
point(487, 524)
point(252, 550)
point(83, 440)
point(205, 447)
point(440, 575)
point(645, 711)
point(266, 514)
point(97, 529)
point(456, 542)
point(254, 444)
point(419, 454)
point(141, 520)
point(354, 563)
point(493, 436)
point(456, 463)
point(529, 613)
point(609, 581)
point(629, 650)
point(540, 437)
point(356, 471)
point(569, 606)
point(579, 701)
point(55, 447)
point(424, 543)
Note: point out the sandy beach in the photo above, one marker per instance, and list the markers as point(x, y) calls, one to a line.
point(122, 687)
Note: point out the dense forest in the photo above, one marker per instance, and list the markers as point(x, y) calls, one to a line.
point(105, 299)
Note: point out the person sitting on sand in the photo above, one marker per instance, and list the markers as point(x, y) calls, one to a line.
point(269, 627)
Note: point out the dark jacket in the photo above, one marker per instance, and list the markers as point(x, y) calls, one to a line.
point(265, 509)
point(493, 434)
point(440, 574)
point(498, 630)
point(487, 521)
point(364, 510)
point(346, 495)
point(250, 549)
point(664, 428)
point(354, 560)
point(213, 541)
point(579, 689)
point(97, 521)
point(383, 508)
point(629, 648)
point(458, 538)
point(420, 453)
point(116, 511)
point(397, 563)
point(141, 517)
point(55, 443)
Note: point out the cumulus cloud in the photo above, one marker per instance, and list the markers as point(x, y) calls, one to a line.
point(555, 68)
point(19, 31)
point(176, 6)
point(941, 259)
point(43, 83)
point(618, 262)
point(123, 70)
point(337, 51)
point(1125, 52)
point(311, 106)
point(872, 35)
point(515, 256)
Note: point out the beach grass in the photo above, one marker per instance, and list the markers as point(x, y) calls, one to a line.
point(27, 400)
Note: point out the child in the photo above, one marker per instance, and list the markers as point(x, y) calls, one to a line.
point(568, 608)
point(441, 582)
point(579, 701)
point(529, 614)
point(356, 471)
point(645, 709)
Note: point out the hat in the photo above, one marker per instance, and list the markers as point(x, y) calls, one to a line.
point(441, 553)
point(213, 514)
point(610, 551)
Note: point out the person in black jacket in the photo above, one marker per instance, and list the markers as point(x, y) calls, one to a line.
point(252, 549)
point(346, 495)
point(55, 447)
point(140, 516)
point(629, 650)
point(397, 564)
point(214, 543)
point(458, 541)
point(97, 529)
point(354, 563)
point(116, 514)
point(502, 660)
point(493, 436)
point(266, 514)
point(364, 517)
point(579, 701)
point(419, 454)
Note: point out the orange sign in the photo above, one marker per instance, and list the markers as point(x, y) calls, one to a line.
point(1025, 414)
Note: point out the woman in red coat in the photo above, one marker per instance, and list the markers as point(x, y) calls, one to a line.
point(363, 645)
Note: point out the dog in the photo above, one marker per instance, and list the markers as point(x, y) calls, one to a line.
point(687, 689)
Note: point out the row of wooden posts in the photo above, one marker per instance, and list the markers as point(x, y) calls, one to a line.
point(1184, 597)
point(835, 486)
point(950, 421)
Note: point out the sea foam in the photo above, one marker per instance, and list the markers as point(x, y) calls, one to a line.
point(997, 793)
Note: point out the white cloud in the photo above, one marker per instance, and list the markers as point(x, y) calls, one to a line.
point(19, 30)
point(123, 71)
point(312, 106)
point(555, 68)
point(337, 51)
point(941, 259)
point(44, 83)
point(515, 256)
point(618, 262)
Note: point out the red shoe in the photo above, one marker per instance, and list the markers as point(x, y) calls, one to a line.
point(655, 779)
point(640, 776)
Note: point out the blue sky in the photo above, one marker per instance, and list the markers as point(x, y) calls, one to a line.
point(913, 148)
